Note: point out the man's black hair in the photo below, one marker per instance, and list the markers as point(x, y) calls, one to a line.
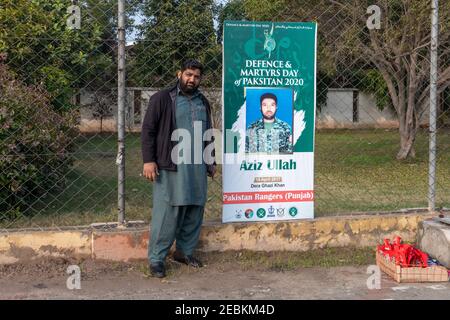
point(191, 64)
point(268, 95)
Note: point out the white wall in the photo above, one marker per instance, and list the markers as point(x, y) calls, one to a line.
point(338, 112)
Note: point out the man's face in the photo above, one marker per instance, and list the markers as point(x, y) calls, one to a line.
point(268, 108)
point(189, 80)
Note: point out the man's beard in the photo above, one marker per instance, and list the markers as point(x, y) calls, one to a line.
point(187, 89)
point(271, 117)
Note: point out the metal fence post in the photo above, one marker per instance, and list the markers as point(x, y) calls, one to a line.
point(433, 104)
point(121, 111)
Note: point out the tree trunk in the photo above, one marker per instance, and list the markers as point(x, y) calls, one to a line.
point(406, 111)
point(408, 130)
point(407, 138)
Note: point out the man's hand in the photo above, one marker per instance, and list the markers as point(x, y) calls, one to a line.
point(212, 171)
point(150, 171)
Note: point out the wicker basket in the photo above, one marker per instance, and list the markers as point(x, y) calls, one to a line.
point(411, 274)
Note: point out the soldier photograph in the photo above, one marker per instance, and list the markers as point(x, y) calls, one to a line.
point(269, 134)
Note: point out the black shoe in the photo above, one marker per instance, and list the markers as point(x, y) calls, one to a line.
point(189, 260)
point(158, 270)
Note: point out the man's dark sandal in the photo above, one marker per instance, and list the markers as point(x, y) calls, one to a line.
point(158, 270)
point(188, 260)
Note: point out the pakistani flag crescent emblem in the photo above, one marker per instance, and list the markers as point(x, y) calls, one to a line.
point(269, 44)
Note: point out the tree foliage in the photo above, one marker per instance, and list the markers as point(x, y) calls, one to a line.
point(400, 51)
point(42, 50)
point(232, 10)
point(392, 62)
point(171, 32)
point(35, 144)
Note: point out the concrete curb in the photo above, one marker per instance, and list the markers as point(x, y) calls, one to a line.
point(433, 237)
point(109, 242)
point(25, 246)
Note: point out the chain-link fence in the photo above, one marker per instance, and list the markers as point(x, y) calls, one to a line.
point(60, 104)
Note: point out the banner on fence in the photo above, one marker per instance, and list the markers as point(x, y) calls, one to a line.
point(269, 102)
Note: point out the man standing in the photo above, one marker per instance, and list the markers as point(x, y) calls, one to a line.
point(179, 189)
point(269, 134)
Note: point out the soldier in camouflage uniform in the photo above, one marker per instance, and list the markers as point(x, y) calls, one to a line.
point(269, 134)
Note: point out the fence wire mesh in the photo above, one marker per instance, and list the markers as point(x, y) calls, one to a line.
point(58, 101)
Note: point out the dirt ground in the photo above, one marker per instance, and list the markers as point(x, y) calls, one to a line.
point(232, 275)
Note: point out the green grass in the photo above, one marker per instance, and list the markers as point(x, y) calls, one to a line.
point(278, 261)
point(292, 260)
point(355, 171)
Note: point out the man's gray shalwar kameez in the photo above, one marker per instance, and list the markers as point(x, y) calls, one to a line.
point(179, 196)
